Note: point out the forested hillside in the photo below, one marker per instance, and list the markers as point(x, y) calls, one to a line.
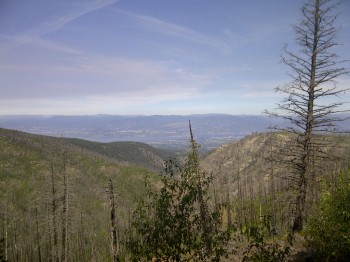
point(127, 153)
point(53, 197)
point(253, 175)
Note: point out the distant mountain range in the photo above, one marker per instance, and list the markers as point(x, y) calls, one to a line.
point(164, 131)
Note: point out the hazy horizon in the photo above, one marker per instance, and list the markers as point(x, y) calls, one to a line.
point(131, 115)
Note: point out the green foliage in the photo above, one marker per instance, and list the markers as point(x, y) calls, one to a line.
point(262, 245)
point(28, 164)
point(177, 223)
point(328, 230)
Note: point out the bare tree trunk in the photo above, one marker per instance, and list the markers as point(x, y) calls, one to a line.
point(15, 244)
point(228, 203)
point(312, 68)
point(250, 184)
point(6, 234)
point(240, 194)
point(38, 234)
point(202, 209)
point(272, 187)
point(65, 212)
point(54, 249)
point(81, 237)
point(115, 251)
point(307, 137)
point(49, 234)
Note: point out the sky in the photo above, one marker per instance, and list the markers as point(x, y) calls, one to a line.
point(146, 57)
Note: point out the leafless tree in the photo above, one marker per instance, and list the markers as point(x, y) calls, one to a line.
point(114, 243)
point(65, 209)
point(53, 211)
point(307, 107)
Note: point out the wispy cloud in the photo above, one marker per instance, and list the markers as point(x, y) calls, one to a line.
point(34, 35)
point(171, 29)
point(107, 76)
point(60, 21)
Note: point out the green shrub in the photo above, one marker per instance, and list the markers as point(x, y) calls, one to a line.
point(177, 223)
point(262, 245)
point(328, 230)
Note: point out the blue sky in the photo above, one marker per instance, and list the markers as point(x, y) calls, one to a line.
point(74, 57)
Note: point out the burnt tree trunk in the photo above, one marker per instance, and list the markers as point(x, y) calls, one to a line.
point(114, 241)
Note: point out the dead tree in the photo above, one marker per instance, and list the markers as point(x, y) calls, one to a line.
point(194, 161)
point(54, 206)
point(306, 107)
point(115, 251)
point(65, 210)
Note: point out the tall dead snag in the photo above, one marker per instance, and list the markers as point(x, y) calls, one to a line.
point(194, 162)
point(37, 234)
point(115, 250)
point(65, 210)
point(53, 207)
point(228, 205)
point(308, 106)
point(6, 224)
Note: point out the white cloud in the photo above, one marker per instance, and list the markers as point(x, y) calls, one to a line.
point(95, 75)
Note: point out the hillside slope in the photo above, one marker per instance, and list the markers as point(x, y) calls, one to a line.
point(126, 153)
point(37, 173)
point(254, 155)
point(252, 171)
point(134, 153)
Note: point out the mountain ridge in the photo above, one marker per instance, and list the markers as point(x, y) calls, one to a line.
point(124, 152)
